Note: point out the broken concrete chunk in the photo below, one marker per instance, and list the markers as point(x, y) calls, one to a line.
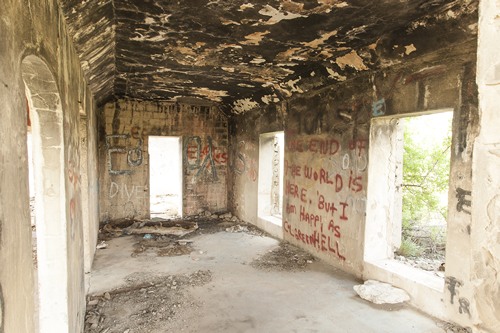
point(226, 216)
point(237, 228)
point(381, 293)
point(102, 245)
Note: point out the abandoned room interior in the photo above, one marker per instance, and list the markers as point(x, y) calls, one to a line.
point(241, 166)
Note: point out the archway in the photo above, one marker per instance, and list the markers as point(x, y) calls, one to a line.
point(48, 159)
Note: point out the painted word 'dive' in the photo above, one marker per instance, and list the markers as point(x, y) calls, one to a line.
point(123, 191)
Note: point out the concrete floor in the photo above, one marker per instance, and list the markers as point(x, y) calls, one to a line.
point(241, 298)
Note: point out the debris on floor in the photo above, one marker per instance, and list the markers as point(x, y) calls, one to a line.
point(381, 293)
point(424, 263)
point(163, 246)
point(166, 238)
point(203, 223)
point(286, 257)
point(146, 304)
point(102, 245)
point(178, 228)
point(237, 228)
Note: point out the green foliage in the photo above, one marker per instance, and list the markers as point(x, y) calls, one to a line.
point(409, 248)
point(426, 170)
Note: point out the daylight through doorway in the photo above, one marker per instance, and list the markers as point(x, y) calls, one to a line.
point(165, 176)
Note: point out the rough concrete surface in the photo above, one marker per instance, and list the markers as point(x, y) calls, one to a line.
point(216, 289)
point(381, 293)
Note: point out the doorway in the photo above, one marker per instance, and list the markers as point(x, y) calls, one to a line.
point(165, 176)
point(47, 180)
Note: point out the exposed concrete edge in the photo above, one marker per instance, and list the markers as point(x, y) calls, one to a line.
point(271, 225)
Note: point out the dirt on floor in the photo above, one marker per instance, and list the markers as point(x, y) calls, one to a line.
point(155, 302)
point(146, 304)
point(171, 237)
point(284, 258)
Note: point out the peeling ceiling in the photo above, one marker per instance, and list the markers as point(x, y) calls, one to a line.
point(245, 54)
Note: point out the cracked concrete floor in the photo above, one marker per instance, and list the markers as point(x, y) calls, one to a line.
point(238, 297)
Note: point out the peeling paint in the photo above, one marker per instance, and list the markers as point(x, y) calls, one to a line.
point(352, 60)
point(213, 95)
point(149, 38)
point(276, 15)
point(320, 41)
point(229, 22)
point(244, 105)
point(147, 50)
point(334, 75)
point(257, 60)
point(293, 85)
point(244, 85)
point(255, 38)
point(409, 49)
point(246, 6)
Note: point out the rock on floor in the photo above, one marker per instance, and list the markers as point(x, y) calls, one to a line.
point(381, 293)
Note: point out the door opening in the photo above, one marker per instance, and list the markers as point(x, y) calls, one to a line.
point(270, 186)
point(47, 190)
point(165, 176)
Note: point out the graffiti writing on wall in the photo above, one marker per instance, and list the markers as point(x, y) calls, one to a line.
point(203, 157)
point(464, 203)
point(241, 161)
point(118, 147)
point(464, 306)
point(324, 191)
point(127, 192)
point(452, 284)
point(379, 108)
point(315, 145)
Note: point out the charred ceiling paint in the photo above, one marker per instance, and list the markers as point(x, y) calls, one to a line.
point(230, 51)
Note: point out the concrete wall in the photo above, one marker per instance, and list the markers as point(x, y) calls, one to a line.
point(37, 28)
point(244, 158)
point(124, 132)
point(90, 184)
point(484, 286)
point(327, 136)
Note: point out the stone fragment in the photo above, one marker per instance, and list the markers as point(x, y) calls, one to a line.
point(381, 293)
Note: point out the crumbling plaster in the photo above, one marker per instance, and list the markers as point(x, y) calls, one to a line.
point(242, 54)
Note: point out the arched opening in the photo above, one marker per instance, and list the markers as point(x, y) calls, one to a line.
point(45, 112)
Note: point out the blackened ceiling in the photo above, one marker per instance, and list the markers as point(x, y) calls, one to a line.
point(243, 54)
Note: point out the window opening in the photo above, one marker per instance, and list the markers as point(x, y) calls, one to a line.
point(271, 164)
point(408, 186)
point(425, 183)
